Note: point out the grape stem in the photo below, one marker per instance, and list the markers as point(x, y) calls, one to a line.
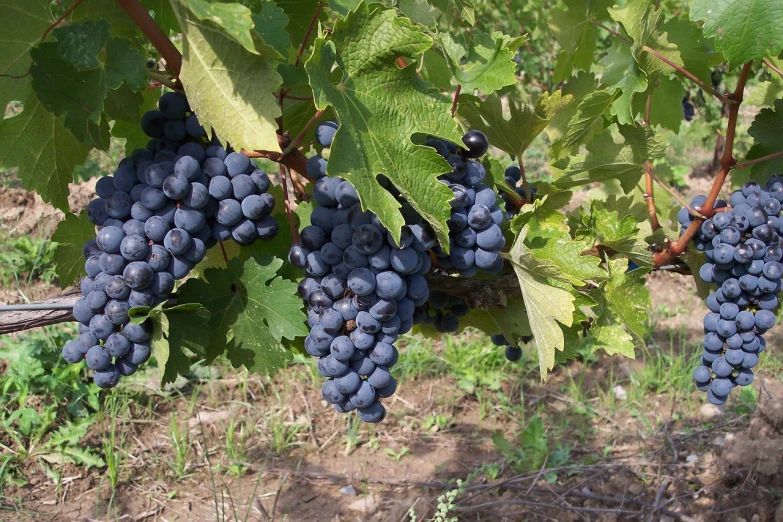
point(727, 162)
point(223, 250)
point(649, 188)
point(456, 100)
point(772, 67)
point(310, 28)
point(294, 145)
point(63, 16)
point(750, 163)
point(288, 213)
point(525, 185)
point(141, 17)
point(164, 79)
point(294, 160)
point(692, 77)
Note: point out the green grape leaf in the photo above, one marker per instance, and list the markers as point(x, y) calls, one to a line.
point(271, 25)
point(547, 306)
point(697, 52)
point(743, 31)
point(623, 73)
point(514, 134)
point(70, 235)
point(589, 118)
point(45, 166)
point(234, 19)
point(79, 44)
point(578, 87)
point(64, 89)
point(252, 311)
point(229, 88)
point(607, 160)
point(435, 69)
point(420, 11)
point(482, 61)
point(624, 309)
point(767, 133)
point(509, 320)
point(380, 107)
point(163, 13)
point(461, 9)
point(300, 13)
point(666, 110)
point(125, 63)
point(175, 328)
point(576, 33)
point(642, 21)
point(606, 223)
point(343, 7)
point(124, 104)
point(764, 94)
point(22, 24)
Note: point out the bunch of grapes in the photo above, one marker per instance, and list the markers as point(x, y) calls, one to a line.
point(442, 310)
point(159, 213)
point(743, 247)
point(513, 353)
point(474, 226)
point(513, 176)
point(688, 110)
point(361, 290)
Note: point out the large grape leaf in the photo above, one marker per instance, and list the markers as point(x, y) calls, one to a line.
point(589, 118)
point(300, 14)
point(379, 107)
point(234, 19)
point(666, 109)
point(461, 9)
point(697, 52)
point(80, 44)
point(606, 223)
point(767, 133)
point(182, 326)
point(509, 320)
point(578, 87)
point(623, 73)
point(271, 24)
point(70, 235)
point(230, 88)
point(548, 307)
point(576, 33)
point(743, 30)
point(623, 310)
point(252, 308)
point(44, 150)
point(642, 21)
point(514, 134)
point(621, 161)
point(482, 61)
point(22, 24)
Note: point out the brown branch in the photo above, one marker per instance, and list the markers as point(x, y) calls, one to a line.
point(692, 77)
point(772, 67)
point(727, 161)
point(294, 160)
point(649, 188)
point(310, 27)
point(17, 321)
point(63, 16)
point(611, 31)
point(750, 163)
point(141, 17)
point(294, 145)
point(456, 100)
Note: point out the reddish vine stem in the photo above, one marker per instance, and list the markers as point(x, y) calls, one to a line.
point(750, 163)
point(665, 60)
point(649, 188)
point(456, 100)
point(63, 16)
point(772, 67)
point(288, 213)
point(294, 145)
point(727, 161)
point(310, 27)
point(223, 249)
point(141, 17)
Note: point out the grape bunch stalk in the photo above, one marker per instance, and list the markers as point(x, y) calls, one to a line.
point(743, 246)
point(361, 290)
point(160, 212)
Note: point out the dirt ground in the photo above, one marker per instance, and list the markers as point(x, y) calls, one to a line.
point(667, 458)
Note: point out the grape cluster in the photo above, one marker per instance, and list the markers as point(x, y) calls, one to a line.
point(475, 233)
point(513, 176)
point(513, 353)
point(160, 212)
point(743, 247)
point(361, 290)
point(442, 310)
point(688, 110)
